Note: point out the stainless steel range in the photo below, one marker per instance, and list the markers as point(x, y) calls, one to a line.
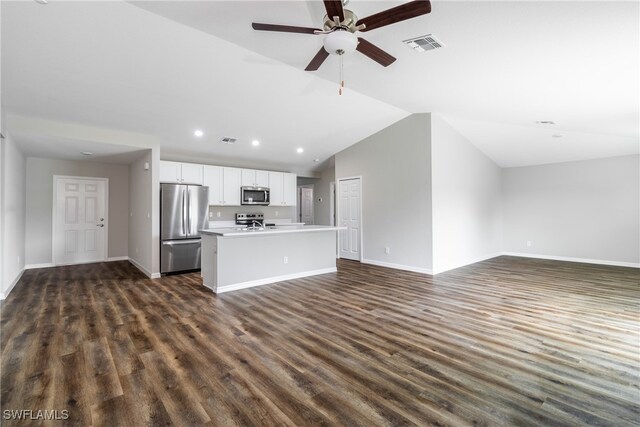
point(255, 219)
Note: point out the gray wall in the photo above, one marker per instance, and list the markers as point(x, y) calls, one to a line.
point(395, 165)
point(466, 189)
point(12, 223)
point(587, 209)
point(321, 190)
point(39, 201)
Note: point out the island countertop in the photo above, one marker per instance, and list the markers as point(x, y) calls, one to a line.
point(235, 232)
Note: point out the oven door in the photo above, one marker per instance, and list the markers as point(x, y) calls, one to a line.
point(255, 196)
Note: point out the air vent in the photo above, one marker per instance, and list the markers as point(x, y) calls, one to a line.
point(424, 43)
point(228, 140)
point(545, 122)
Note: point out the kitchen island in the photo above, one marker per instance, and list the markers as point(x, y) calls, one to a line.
point(235, 258)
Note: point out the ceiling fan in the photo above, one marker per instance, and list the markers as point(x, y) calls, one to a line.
point(340, 26)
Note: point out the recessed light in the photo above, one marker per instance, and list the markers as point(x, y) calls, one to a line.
point(42, 1)
point(316, 160)
point(198, 133)
point(255, 142)
point(86, 153)
point(300, 150)
point(545, 122)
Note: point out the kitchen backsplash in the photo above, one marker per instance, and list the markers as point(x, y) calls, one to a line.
point(228, 213)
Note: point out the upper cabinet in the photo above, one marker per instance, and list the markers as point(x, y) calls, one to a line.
point(255, 178)
point(224, 185)
point(181, 173)
point(283, 189)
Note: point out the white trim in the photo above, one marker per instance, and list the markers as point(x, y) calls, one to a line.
point(361, 213)
point(54, 211)
point(573, 259)
point(398, 266)
point(13, 284)
point(137, 265)
point(467, 262)
point(117, 258)
point(274, 279)
point(43, 265)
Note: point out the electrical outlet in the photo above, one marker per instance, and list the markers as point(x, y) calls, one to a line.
point(285, 260)
point(210, 214)
point(219, 214)
point(276, 213)
point(387, 250)
point(136, 251)
point(18, 259)
point(148, 214)
point(528, 243)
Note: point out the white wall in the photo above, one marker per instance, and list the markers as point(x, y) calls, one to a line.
point(395, 166)
point(12, 180)
point(585, 210)
point(140, 213)
point(466, 191)
point(39, 201)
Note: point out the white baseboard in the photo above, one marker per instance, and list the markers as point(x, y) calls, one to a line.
point(43, 265)
point(141, 268)
point(572, 259)
point(466, 262)
point(15, 281)
point(118, 258)
point(397, 266)
point(274, 279)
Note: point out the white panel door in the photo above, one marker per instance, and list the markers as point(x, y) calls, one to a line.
point(80, 221)
point(350, 217)
point(306, 205)
point(213, 179)
point(192, 173)
point(231, 187)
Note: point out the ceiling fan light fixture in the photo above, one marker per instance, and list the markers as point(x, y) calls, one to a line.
point(340, 42)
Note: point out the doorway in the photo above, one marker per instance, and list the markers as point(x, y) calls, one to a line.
point(350, 216)
point(80, 229)
point(305, 204)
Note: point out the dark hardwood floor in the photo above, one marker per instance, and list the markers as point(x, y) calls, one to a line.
point(509, 341)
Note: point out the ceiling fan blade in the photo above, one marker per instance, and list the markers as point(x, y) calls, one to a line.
point(334, 8)
point(317, 60)
point(396, 14)
point(283, 28)
point(375, 53)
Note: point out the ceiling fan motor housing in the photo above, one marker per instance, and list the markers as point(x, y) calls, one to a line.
point(340, 42)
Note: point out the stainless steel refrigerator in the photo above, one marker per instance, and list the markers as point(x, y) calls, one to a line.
point(183, 212)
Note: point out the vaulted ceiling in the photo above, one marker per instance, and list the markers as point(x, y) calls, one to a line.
point(166, 68)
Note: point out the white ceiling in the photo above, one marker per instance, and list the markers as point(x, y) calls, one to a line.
point(505, 65)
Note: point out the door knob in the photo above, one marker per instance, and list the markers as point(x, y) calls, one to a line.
point(99, 225)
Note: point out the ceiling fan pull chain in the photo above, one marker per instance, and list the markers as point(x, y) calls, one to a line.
point(341, 75)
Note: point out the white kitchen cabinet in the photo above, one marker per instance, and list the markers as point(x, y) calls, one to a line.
point(290, 188)
point(255, 178)
point(232, 179)
point(283, 188)
point(214, 179)
point(181, 173)
point(224, 185)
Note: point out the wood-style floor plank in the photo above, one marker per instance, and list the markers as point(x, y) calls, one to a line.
point(508, 341)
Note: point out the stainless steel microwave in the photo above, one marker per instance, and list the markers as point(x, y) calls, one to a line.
point(254, 195)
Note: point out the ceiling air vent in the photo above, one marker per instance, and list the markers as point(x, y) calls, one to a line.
point(424, 43)
point(228, 140)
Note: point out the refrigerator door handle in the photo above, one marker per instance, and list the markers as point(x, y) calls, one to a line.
point(185, 210)
point(188, 211)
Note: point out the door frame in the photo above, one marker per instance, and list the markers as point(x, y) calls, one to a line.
point(361, 213)
point(54, 216)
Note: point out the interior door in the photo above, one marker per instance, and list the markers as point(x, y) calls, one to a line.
point(80, 220)
point(306, 205)
point(350, 217)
